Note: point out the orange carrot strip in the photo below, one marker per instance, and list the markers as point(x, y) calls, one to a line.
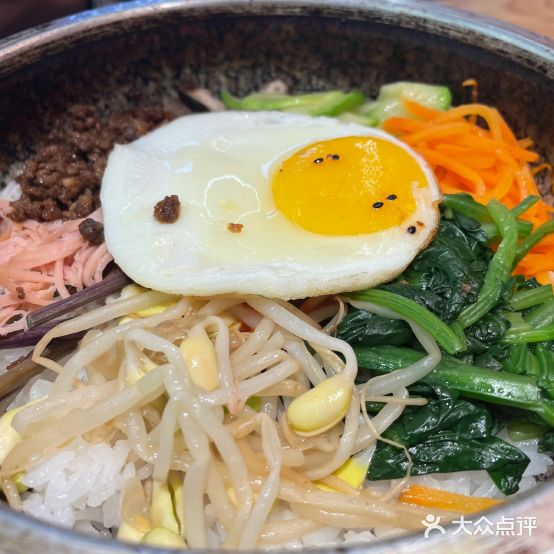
point(402, 124)
point(525, 143)
point(491, 145)
point(455, 166)
point(491, 177)
point(448, 188)
point(504, 183)
point(440, 131)
point(453, 182)
point(490, 115)
point(470, 156)
point(444, 500)
point(523, 155)
point(545, 277)
point(541, 167)
point(507, 133)
point(474, 94)
point(419, 110)
point(540, 261)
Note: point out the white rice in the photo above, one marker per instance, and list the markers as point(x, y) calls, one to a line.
point(82, 482)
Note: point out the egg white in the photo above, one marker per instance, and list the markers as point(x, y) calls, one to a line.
point(220, 166)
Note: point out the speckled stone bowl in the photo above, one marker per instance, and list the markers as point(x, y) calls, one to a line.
point(141, 52)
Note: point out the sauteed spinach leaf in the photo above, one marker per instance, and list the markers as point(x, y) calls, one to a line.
point(448, 434)
point(448, 274)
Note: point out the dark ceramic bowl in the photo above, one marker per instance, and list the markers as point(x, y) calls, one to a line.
point(140, 52)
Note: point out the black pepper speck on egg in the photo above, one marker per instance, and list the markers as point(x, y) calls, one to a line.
point(378, 204)
point(318, 161)
point(392, 197)
point(411, 229)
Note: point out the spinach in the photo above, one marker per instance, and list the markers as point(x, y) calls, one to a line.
point(446, 435)
point(448, 274)
point(495, 387)
point(483, 341)
point(366, 329)
point(506, 358)
point(485, 332)
point(546, 444)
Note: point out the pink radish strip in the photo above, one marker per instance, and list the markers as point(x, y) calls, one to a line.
point(39, 259)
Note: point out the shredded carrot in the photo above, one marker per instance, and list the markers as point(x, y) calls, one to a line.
point(541, 167)
point(444, 500)
point(441, 131)
point(456, 167)
point(400, 124)
point(472, 149)
point(419, 110)
point(490, 115)
point(473, 85)
point(526, 142)
point(473, 158)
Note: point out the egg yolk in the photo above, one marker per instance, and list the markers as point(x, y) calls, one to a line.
point(348, 186)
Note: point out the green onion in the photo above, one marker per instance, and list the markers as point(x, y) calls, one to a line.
point(441, 332)
point(500, 267)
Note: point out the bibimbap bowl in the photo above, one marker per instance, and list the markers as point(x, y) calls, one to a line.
point(147, 53)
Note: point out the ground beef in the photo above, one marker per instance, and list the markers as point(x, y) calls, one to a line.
point(92, 230)
point(62, 180)
point(167, 210)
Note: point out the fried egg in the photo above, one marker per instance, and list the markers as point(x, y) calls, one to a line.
point(277, 204)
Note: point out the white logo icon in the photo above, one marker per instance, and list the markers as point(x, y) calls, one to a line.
point(431, 523)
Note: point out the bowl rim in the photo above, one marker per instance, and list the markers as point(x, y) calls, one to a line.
point(521, 46)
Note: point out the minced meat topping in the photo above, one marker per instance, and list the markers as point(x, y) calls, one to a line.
point(167, 210)
point(62, 180)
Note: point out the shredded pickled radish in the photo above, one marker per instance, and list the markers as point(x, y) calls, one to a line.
point(38, 261)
